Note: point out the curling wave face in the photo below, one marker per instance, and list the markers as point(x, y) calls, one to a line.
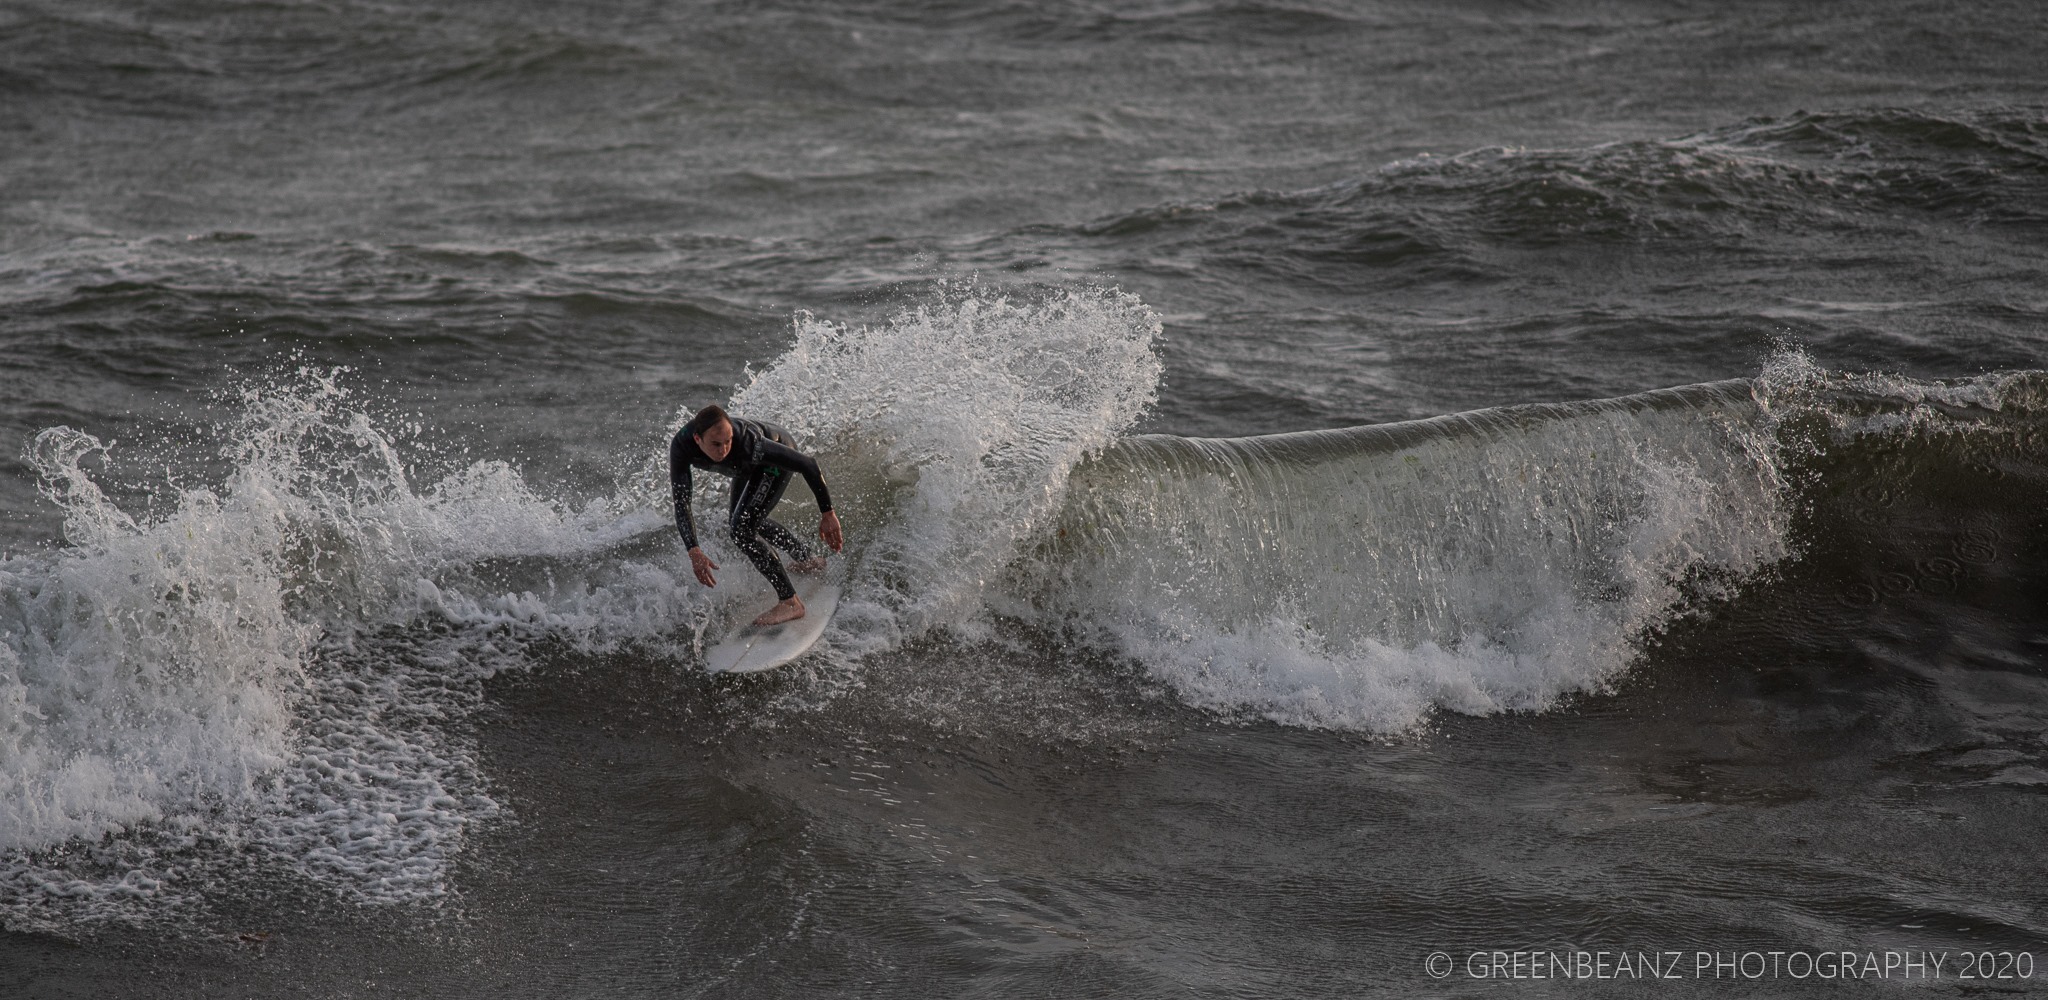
point(1499, 560)
point(1360, 578)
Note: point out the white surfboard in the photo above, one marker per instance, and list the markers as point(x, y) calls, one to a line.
point(751, 647)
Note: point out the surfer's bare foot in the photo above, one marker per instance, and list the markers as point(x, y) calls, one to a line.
point(788, 611)
point(811, 565)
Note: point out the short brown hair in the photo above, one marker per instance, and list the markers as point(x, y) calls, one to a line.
point(706, 419)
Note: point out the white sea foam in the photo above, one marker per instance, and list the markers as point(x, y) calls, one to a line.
point(169, 674)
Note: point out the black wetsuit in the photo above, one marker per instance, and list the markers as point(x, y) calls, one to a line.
point(759, 463)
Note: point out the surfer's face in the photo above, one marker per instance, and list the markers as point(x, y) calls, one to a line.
point(716, 442)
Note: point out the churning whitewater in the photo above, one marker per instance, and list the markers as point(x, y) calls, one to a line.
point(282, 662)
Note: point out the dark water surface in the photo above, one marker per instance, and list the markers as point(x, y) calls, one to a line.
point(1326, 484)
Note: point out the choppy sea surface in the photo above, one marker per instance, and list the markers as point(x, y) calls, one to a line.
point(1343, 499)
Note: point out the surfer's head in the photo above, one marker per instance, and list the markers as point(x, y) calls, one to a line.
point(712, 430)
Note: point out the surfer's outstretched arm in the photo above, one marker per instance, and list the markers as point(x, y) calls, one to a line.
point(680, 451)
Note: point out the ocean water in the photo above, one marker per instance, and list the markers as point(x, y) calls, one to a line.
point(1343, 499)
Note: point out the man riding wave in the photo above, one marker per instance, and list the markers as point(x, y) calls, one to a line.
point(759, 458)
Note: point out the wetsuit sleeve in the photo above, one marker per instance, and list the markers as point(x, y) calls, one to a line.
point(795, 461)
point(680, 451)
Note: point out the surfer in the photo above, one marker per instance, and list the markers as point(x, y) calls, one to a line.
point(758, 457)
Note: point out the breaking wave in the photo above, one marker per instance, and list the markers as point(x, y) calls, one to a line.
point(278, 670)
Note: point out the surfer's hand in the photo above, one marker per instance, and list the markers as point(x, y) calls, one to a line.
point(828, 529)
point(703, 566)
